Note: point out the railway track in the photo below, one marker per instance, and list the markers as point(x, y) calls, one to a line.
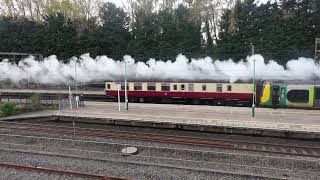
point(212, 169)
point(114, 134)
point(278, 148)
point(306, 151)
point(58, 172)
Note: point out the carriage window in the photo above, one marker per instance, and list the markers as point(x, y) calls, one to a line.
point(317, 93)
point(190, 87)
point(165, 87)
point(298, 96)
point(175, 87)
point(229, 88)
point(122, 87)
point(219, 87)
point(151, 87)
point(137, 86)
point(108, 86)
point(204, 87)
point(182, 87)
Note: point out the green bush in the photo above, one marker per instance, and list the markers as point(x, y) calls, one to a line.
point(8, 109)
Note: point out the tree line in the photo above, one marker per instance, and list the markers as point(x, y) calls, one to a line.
point(161, 29)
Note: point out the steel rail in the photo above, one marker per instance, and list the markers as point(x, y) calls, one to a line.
point(57, 171)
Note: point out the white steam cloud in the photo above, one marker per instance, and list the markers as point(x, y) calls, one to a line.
point(87, 69)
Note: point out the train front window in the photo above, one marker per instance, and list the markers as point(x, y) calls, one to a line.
point(108, 86)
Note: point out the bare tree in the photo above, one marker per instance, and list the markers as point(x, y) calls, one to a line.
point(168, 4)
point(37, 9)
point(90, 8)
point(147, 7)
point(9, 8)
point(208, 13)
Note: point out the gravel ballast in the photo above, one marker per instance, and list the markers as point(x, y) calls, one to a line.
point(153, 161)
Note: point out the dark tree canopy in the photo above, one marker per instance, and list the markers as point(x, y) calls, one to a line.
point(279, 31)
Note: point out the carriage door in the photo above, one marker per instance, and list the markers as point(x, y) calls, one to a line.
point(317, 96)
point(275, 95)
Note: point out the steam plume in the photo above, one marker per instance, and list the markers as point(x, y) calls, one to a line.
point(87, 69)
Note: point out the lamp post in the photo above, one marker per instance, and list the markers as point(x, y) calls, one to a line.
point(125, 85)
point(253, 82)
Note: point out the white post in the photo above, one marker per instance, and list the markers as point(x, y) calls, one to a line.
point(253, 83)
point(254, 89)
point(125, 85)
point(70, 96)
point(77, 101)
point(76, 76)
point(74, 129)
point(119, 86)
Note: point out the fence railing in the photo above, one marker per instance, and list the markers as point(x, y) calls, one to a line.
point(70, 103)
point(57, 104)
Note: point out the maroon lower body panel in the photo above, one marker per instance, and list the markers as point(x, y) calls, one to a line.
point(191, 95)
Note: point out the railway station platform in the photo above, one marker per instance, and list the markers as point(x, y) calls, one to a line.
point(46, 91)
point(287, 123)
point(89, 95)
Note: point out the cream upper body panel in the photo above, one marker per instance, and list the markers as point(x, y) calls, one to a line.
point(185, 87)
